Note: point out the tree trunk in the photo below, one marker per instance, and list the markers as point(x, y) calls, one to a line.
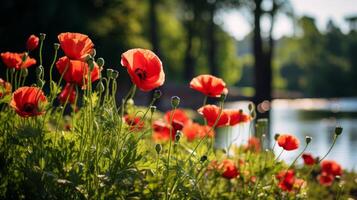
point(212, 42)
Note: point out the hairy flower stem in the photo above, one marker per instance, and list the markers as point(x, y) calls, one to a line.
point(169, 153)
point(51, 68)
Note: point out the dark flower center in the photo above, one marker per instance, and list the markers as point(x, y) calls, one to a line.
point(140, 73)
point(29, 108)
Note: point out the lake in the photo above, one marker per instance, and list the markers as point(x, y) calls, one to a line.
point(308, 117)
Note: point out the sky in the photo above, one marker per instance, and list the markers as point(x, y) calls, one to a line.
point(237, 24)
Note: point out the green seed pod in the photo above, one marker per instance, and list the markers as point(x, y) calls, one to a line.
point(152, 109)
point(175, 101)
point(178, 136)
point(276, 136)
point(203, 158)
point(110, 73)
point(157, 94)
point(56, 46)
point(158, 148)
point(24, 57)
point(338, 130)
point(223, 97)
point(42, 36)
point(308, 139)
point(251, 107)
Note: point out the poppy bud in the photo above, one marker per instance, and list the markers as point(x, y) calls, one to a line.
point(24, 72)
point(40, 83)
point(100, 87)
point(109, 73)
point(115, 74)
point(253, 114)
point(39, 71)
point(152, 109)
point(32, 42)
point(175, 101)
point(24, 57)
point(223, 97)
point(178, 136)
point(276, 136)
point(42, 36)
point(100, 62)
point(157, 94)
point(250, 107)
point(338, 130)
point(308, 139)
point(90, 61)
point(203, 158)
point(56, 46)
point(158, 148)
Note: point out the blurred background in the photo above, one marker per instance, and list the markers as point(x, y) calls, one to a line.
point(296, 59)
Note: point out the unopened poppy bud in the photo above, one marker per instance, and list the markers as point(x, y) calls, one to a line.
point(152, 109)
point(24, 57)
point(56, 46)
point(109, 73)
point(100, 62)
point(90, 61)
point(203, 158)
point(115, 74)
point(338, 130)
point(24, 72)
point(178, 136)
point(100, 87)
point(308, 139)
point(223, 97)
point(32, 42)
point(158, 148)
point(39, 71)
point(175, 101)
point(250, 107)
point(93, 53)
point(253, 114)
point(42, 36)
point(157, 94)
point(276, 136)
point(130, 102)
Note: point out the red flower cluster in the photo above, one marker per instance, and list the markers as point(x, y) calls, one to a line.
point(329, 170)
point(227, 168)
point(287, 180)
point(215, 116)
point(5, 88)
point(28, 101)
point(209, 85)
point(144, 68)
point(135, 123)
point(288, 142)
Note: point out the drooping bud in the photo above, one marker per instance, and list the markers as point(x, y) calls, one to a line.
point(308, 139)
point(250, 107)
point(100, 62)
point(56, 46)
point(39, 71)
point(110, 73)
point(223, 97)
point(157, 94)
point(276, 136)
point(152, 109)
point(338, 130)
point(203, 158)
point(115, 74)
point(24, 57)
point(158, 148)
point(100, 87)
point(42, 36)
point(32, 42)
point(175, 101)
point(90, 62)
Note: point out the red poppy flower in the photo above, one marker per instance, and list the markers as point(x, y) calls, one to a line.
point(5, 88)
point(135, 123)
point(144, 68)
point(68, 92)
point(331, 167)
point(211, 113)
point(253, 144)
point(162, 131)
point(286, 180)
point(76, 71)
point(195, 130)
point(308, 159)
point(237, 116)
point(326, 179)
point(32, 42)
point(229, 169)
point(28, 101)
point(15, 60)
point(179, 115)
point(209, 85)
point(76, 46)
point(288, 142)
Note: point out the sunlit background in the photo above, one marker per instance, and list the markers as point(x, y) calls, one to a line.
point(298, 56)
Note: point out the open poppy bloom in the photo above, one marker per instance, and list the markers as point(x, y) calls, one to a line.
point(178, 115)
point(144, 68)
point(135, 123)
point(162, 131)
point(28, 101)
point(195, 130)
point(209, 85)
point(308, 159)
point(32, 42)
point(229, 169)
point(68, 94)
point(325, 179)
point(76, 46)
point(331, 167)
point(15, 60)
point(211, 113)
point(237, 117)
point(5, 88)
point(76, 71)
point(286, 179)
point(288, 142)
point(253, 144)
